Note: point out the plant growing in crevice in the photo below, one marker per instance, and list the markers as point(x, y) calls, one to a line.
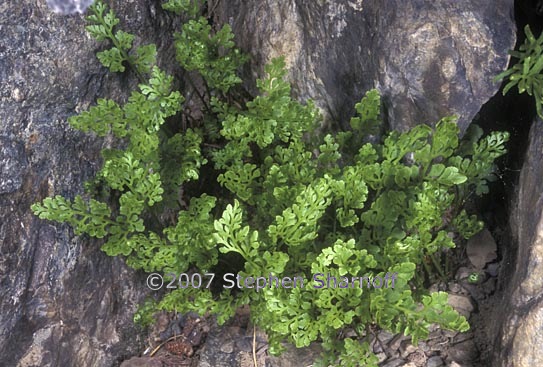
point(527, 73)
point(283, 204)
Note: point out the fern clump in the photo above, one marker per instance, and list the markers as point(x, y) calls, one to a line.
point(527, 73)
point(281, 205)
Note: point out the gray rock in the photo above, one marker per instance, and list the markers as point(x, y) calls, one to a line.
point(429, 59)
point(62, 301)
point(462, 304)
point(407, 348)
point(69, 6)
point(213, 355)
point(481, 249)
point(13, 163)
point(142, 362)
point(520, 326)
point(293, 357)
point(434, 361)
point(394, 363)
point(224, 347)
point(464, 352)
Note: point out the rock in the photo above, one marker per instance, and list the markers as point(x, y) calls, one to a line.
point(493, 269)
point(454, 287)
point(434, 361)
point(69, 6)
point(463, 273)
point(462, 304)
point(381, 356)
point(464, 352)
point(396, 342)
point(481, 249)
point(394, 363)
point(141, 362)
point(293, 357)
point(227, 346)
point(384, 336)
point(12, 165)
point(519, 320)
point(63, 302)
point(212, 355)
point(428, 59)
point(407, 348)
point(418, 358)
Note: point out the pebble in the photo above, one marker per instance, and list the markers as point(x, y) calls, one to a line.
point(396, 342)
point(434, 361)
point(17, 95)
point(227, 347)
point(464, 352)
point(455, 287)
point(407, 348)
point(141, 362)
point(381, 356)
point(385, 336)
point(394, 363)
point(462, 304)
point(463, 273)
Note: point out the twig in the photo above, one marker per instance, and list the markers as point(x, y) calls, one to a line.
point(254, 346)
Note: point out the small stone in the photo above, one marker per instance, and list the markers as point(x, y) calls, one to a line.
point(423, 346)
point(418, 358)
point(462, 304)
point(463, 273)
point(449, 333)
point(454, 287)
point(381, 356)
point(462, 337)
point(464, 352)
point(454, 364)
point(141, 362)
point(493, 269)
point(410, 364)
point(385, 336)
point(17, 95)
point(396, 342)
point(407, 348)
point(394, 363)
point(434, 361)
point(438, 287)
point(227, 347)
point(481, 249)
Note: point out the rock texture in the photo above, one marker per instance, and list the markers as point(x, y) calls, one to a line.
point(62, 301)
point(428, 58)
point(521, 330)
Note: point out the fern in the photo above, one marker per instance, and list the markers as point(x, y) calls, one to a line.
point(527, 73)
point(279, 203)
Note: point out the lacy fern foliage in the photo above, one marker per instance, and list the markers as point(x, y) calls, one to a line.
point(280, 203)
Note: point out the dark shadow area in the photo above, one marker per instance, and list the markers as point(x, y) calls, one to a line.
point(513, 113)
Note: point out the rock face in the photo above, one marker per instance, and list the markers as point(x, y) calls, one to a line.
point(62, 301)
point(429, 59)
point(521, 330)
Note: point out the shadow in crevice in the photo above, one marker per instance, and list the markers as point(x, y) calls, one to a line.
point(513, 113)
